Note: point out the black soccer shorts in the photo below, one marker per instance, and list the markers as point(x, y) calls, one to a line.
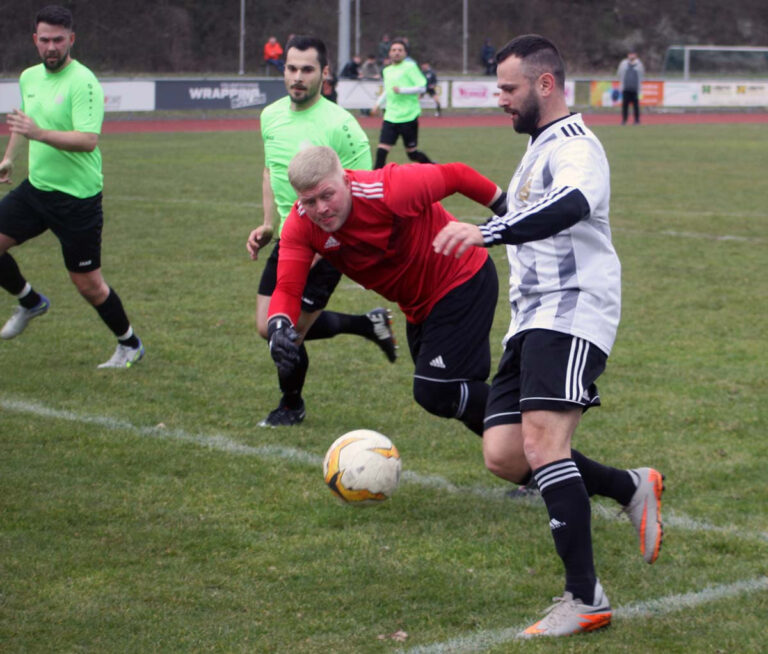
point(453, 343)
point(544, 370)
point(321, 282)
point(409, 131)
point(27, 212)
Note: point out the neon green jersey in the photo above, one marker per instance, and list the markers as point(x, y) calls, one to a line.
point(402, 107)
point(285, 132)
point(68, 100)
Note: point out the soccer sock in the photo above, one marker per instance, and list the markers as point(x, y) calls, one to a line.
point(112, 313)
point(13, 281)
point(331, 323)
point(604, 480)
point(419, 156)
point(292, 384)
point(381, 158)
point(563, 491)
point(474, 411)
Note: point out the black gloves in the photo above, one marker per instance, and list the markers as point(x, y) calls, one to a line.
point(283, 345)
point(499, 207)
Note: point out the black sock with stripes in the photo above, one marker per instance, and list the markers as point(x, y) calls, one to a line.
point(563, 491)
point(13, 281)
point(604, 480)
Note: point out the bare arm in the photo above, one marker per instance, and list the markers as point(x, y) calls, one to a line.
point(262, 235)
point(15, 143)
point(71, 141)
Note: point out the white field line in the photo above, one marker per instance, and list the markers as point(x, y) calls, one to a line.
point(222, 443)
point(482, 640)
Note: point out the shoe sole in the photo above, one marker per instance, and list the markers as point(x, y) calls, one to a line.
point(657, 480)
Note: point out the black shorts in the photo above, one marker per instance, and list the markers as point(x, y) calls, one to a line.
point(409, 131)
point(453, 343)
point(27, 212)
point(544, 370)
point(321, 282)
point(431, 91)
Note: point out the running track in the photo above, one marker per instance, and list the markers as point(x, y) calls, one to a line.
point(484, 120)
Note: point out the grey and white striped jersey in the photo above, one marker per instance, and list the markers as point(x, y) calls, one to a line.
point(564, 272)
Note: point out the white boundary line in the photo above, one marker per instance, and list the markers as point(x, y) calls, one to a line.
point(475, 642)
point(226, 444)
point(481, 640)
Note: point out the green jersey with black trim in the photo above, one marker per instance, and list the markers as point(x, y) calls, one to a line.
point(402, 107)
point(286, 131)
point(68, 100)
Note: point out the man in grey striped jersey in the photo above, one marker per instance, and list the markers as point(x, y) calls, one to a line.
point(565, 295)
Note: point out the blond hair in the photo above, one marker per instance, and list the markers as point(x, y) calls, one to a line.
point(313, 165)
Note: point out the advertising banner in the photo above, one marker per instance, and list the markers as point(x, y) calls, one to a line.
point(129, 96)
point(606, 94)
point(10, 96)
point(482, 93)
point(217, 94)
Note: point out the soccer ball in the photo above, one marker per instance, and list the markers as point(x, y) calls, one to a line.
point(362, 467)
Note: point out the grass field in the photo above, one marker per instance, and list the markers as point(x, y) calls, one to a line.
point(144, 511)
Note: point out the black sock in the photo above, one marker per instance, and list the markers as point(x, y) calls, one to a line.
point(331, 323)
point(292, 385)
point(13, 281)
point(419, 156)
point(604, 480)
point(112, 313)
point(474, 413)
point(563, 491)
point(381, 158)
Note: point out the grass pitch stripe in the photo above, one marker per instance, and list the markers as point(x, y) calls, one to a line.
point(223, 443)
point(482, 640)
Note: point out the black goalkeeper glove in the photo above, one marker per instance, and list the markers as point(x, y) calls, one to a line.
point(283, 345)
point(499, 207)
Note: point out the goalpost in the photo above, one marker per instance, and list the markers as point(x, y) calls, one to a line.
point(716, 60)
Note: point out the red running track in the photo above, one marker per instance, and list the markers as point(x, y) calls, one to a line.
point(449, 121)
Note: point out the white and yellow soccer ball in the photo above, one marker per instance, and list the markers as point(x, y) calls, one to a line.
point(362, 467)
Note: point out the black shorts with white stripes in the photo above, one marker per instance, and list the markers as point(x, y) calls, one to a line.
point(544, 370)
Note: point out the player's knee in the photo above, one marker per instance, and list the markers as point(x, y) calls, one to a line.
point(440, 399)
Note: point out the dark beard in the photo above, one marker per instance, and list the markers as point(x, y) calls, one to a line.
point(57, 65)
point(528, 118)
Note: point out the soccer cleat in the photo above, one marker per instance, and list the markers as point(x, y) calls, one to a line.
point(569, 615)
point(282, 416)
point(17, 323)
point(124, 356)
point(526, 491)
point(383, 336)
point(644, 511)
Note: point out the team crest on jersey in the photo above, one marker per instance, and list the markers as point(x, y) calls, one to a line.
point(331, 243)
point(524, 190)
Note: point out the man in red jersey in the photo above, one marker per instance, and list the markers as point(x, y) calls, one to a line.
point(377, 228)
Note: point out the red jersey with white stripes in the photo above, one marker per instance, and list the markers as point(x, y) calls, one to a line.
point(386, 242)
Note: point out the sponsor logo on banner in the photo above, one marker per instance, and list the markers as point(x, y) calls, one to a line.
point(239, 94)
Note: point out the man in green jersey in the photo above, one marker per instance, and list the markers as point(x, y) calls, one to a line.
point(61, 116)
point(305, 118)
point(403, 84)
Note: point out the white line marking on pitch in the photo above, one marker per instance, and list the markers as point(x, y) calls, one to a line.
point(479, 641)
point(223, 443)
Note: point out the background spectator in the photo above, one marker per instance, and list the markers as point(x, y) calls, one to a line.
point(273, 54)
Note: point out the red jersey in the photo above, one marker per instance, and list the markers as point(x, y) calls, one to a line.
point(386, 242)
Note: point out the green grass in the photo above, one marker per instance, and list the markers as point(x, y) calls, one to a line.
point(143, 510)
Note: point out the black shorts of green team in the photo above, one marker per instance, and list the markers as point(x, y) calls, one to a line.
point(409, 131)
point(544, 370)
point(321, 282)
point(27, 212)
point(453, 343)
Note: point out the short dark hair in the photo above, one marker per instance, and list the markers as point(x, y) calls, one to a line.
point(304, 42)
point(538, 54)
point(55, 15)
point(401, 41)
